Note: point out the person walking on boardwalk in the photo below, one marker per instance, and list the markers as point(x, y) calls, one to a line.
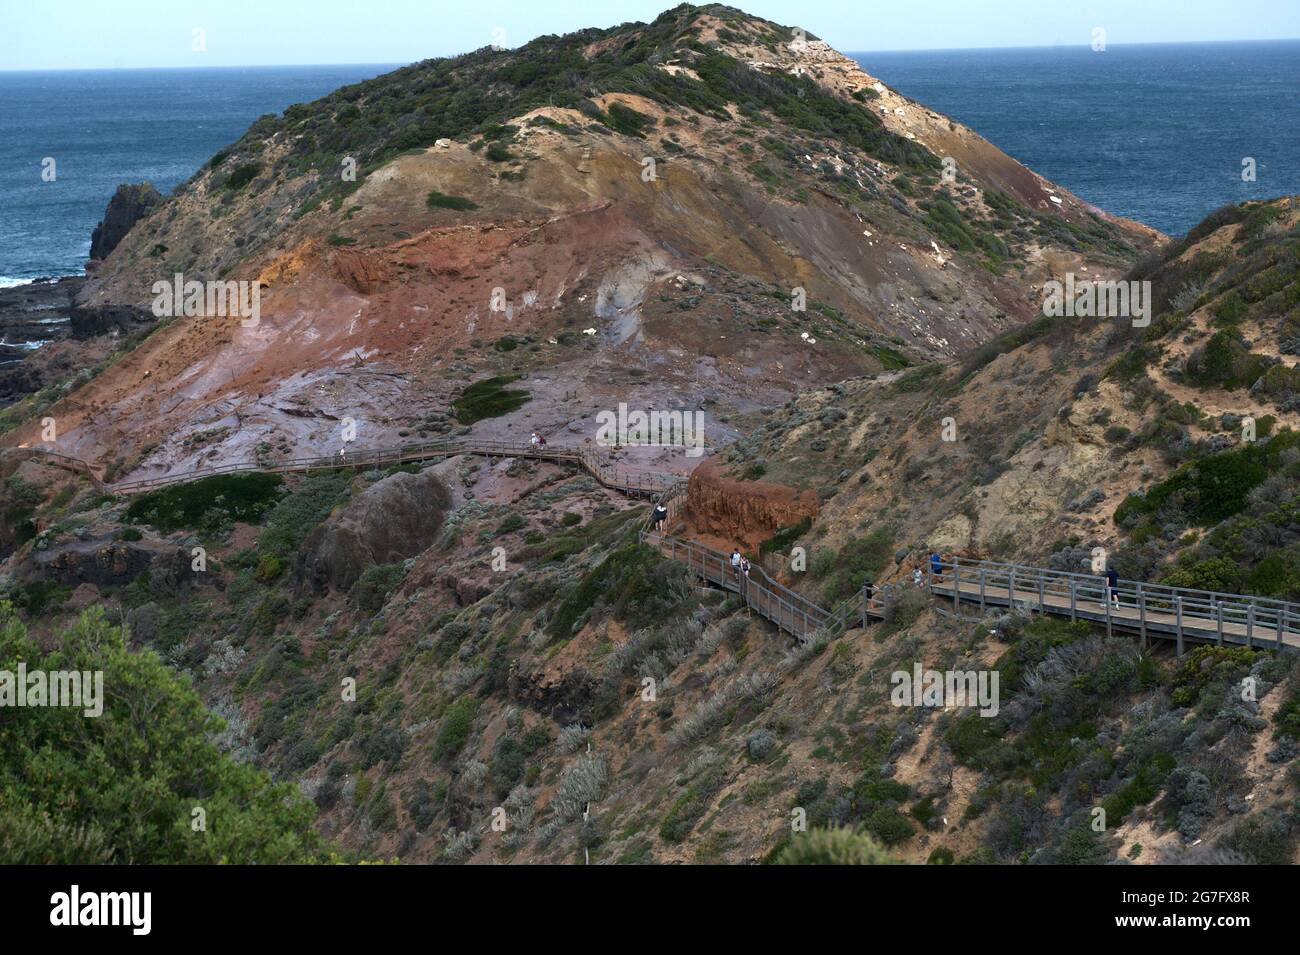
point(936, 565)
point(735, 562)
point(1112, 586)
point(658, 517)
point(535, 441)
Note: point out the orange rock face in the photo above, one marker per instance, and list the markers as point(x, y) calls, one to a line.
point(726, 512)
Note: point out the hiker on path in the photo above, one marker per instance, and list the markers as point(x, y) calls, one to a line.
point(936, 565)
point(735, 562)
point(1112, 586)
point(918, 578)
point(868, 591)
point(535, 441)
point(658, 517)
point(744, 565)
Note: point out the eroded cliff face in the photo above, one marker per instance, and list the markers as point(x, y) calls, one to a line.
point(732, 513)
point(130, 203)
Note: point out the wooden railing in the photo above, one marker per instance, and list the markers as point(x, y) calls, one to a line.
point(1151, 610)
point(634, 481)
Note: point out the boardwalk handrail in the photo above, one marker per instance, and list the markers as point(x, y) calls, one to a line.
point(1151, 609)
point(1135, 605)
point(629, 480)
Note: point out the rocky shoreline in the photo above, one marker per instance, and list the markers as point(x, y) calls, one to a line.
point(44, 311)
point(32, 316)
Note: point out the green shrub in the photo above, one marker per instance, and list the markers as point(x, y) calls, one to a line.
point(1230, 309)
point(1212, 488)
point(629, 122)
point(440, 200)
point(489, 398)
point(785, 536)
point(300, 511)
point(242, 175)
point(834, 847)
point(375, 584)
point(859, 561)
point(888, 825)
point(269, 568)
point(454, 729)
point(512, 522)
point(237, 497)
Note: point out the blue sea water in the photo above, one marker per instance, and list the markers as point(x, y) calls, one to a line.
point(1154, 132)
point(105, 127)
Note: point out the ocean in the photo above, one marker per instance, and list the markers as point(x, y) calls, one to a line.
point(105, 127)
point(1155, 133)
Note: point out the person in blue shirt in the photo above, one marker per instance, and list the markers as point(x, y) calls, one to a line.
point(936, 564)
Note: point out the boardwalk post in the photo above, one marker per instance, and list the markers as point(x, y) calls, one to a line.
point(1142, 615)
point(982, 572)
point(1073, 601)
point(1218, 607)
point(1281, 625)
point(1178, 610)
point(1106, 601)
point(1042, 596)
point(1011, 588)
point(1250, 624)
point(956, 586)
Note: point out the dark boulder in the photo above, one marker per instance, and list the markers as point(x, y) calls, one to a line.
point(393, 519)
point(130, 203)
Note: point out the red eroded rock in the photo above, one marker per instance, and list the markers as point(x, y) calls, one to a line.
point(727, 512)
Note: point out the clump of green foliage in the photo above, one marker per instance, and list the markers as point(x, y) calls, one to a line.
point(856, 563)
point(440, 200)
point(243, 175)
point(1213, 488)
point(126, 791)
point(489, 398)
point(207, 502)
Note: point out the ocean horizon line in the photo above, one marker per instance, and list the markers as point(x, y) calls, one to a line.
point(846, 51)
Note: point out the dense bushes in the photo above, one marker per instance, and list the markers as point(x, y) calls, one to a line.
point(440, 200)
point(835, 847)
point(374, 585)
point(1211, 489)
point(126, 791)
point(207, 504)
point(633, 581)
point(859, 561)
point(489, 398)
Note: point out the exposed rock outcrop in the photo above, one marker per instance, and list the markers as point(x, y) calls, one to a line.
point(130, 203)
point(743, 512)
point(99, 562)
point(395, 518)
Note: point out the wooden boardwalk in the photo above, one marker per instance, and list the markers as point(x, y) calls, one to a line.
point(1148, 610)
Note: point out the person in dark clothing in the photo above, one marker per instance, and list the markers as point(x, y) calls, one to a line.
point(659, 516)
point(1112, 585)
